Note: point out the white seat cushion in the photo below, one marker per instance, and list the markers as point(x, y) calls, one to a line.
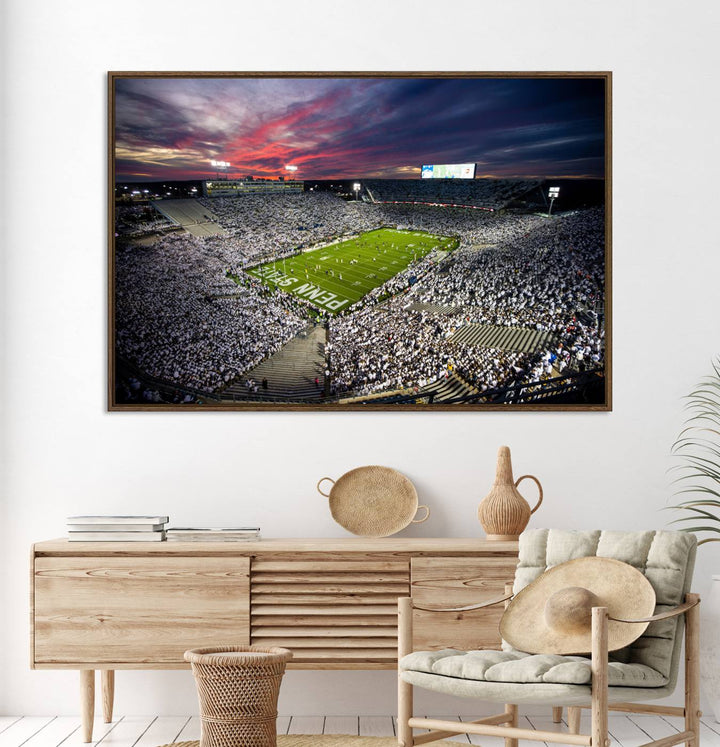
point(521, 668)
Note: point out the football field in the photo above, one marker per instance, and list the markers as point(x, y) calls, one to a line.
point(334, 277)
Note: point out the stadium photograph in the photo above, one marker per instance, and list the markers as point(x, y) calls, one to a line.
point(356, 241)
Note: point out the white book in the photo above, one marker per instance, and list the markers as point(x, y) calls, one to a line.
point(225, 534)
point(117, 519)
point(215, 530)
point(212, 538)
point(116, 536)
point(115, 527)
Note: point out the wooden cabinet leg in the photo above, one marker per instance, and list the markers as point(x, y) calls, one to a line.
point(108, 693)
point(557, 714)
point(87, 702)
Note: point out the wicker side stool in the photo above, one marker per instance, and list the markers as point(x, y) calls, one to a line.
point(238, 688)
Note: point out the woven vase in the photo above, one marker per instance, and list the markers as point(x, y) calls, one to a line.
point(504, 513)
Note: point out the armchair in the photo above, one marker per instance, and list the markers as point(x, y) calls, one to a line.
point(621, 681)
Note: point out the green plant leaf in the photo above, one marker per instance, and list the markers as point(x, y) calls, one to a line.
point(703, 443)
point(701, 465)
point(697, 451)
point(699, 511)
point(701, 502)
point(701, 529)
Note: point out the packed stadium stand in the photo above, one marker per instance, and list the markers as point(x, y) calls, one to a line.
point(262, 226)
point(491, 194)
point(296, 372)
point(132, 221)
point(505, 311)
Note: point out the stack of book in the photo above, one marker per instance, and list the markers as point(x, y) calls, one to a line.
point(208, 534)
point(116, 528)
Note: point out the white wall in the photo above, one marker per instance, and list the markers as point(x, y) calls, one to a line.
point(66, 454)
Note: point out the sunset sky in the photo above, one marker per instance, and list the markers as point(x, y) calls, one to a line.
point(333, 128)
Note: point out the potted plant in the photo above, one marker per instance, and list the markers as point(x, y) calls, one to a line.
point(697, 450)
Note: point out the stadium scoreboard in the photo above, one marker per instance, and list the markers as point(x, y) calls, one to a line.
point(448, 171)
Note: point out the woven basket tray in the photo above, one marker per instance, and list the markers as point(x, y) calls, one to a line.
point(373, 501)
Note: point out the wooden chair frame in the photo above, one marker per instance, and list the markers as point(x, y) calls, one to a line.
point(506, 724)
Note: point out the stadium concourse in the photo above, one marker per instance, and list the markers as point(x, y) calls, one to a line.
point(519, 300)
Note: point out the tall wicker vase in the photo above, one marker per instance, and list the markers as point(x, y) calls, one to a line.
point(504, 513)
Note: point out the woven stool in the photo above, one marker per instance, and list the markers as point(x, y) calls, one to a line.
point(238, 688)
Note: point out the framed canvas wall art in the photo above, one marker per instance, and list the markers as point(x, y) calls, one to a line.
point(355, 241)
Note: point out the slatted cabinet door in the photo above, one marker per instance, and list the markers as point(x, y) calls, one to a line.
point(333, 614)
point(458, 582)
point(137, 610)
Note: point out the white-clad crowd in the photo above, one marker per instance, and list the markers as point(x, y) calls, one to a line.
point(538, 276)
point(139, 220)
point(181, 319)
point(265, 226)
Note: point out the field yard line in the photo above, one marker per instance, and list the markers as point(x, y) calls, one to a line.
point(326, 282)
point(369, 263)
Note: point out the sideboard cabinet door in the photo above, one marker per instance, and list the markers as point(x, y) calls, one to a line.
point(458, 582)
point(137, 610)
point(330, 613)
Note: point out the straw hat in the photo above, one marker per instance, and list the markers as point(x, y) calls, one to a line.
point(552, 614)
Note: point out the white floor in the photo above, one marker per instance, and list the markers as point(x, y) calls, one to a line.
point(152, 731)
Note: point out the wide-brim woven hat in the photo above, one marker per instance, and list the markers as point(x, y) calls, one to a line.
point(552, 615)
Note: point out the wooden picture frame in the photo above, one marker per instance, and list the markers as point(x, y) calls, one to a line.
point(491, 291)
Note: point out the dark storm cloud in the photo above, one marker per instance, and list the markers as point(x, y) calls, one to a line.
point(334, 128)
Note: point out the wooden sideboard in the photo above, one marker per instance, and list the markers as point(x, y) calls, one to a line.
point(333, 602)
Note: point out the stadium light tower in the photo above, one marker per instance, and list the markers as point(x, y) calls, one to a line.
point(292, 169)
point(553, 193)
point(220, 167)
point(356, 188)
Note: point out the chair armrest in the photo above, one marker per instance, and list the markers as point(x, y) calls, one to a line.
point(679, 610)
point(489, 603)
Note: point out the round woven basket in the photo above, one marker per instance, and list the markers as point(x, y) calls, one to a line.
point(238, 688)
point(373, 501)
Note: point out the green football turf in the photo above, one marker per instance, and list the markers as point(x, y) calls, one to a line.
point(378, 256)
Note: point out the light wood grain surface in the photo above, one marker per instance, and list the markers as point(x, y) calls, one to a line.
point(124, 605)
point(137, 731)
point(143, 610)
point(140, 605)
point(319, 588)
point(457, 582)
point(385, 546)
